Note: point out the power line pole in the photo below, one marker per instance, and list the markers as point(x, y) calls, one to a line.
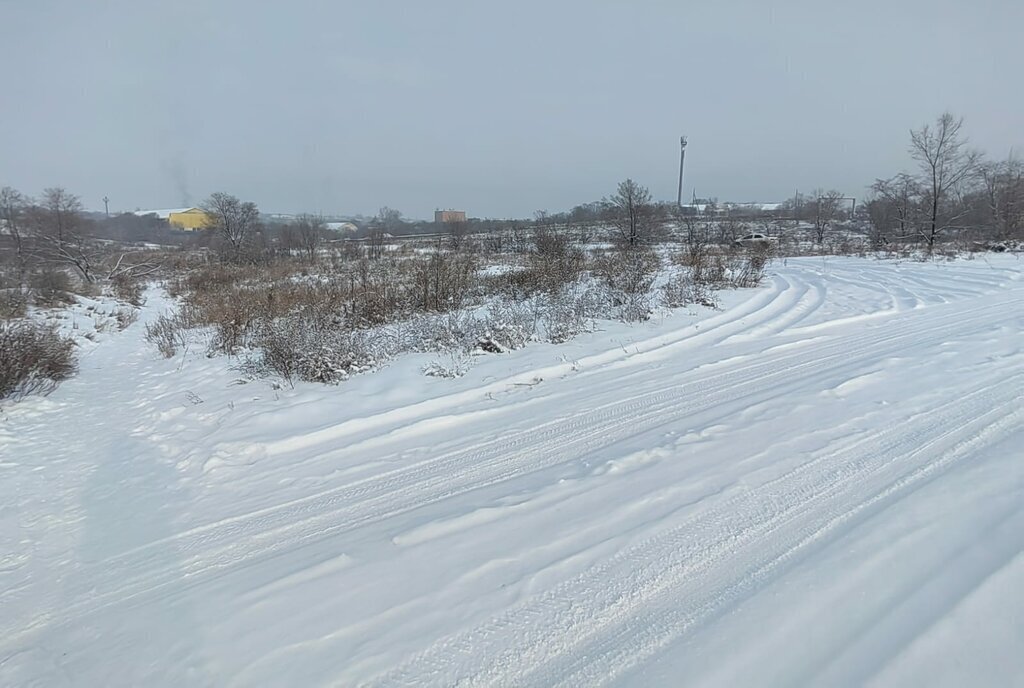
point(106, 206)
point(682, 157)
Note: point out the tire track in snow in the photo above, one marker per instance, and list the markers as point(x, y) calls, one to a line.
point(800, 531)
point(810, 298)
point(762, 307)
point(789, 300)
point(223, 546)
point(606, 620)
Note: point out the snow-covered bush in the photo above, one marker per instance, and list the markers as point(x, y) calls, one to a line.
point(456, 330)
point(552, 262)
point(628, 275)
point(300, 348)
point(568, 313)
point(453, 364)
point(707, 266)
point(33, 358)
point(508, 325)
point(357, 313)
point(441, 281)
point(681, 290)
point(747, 268)
point(555, 261)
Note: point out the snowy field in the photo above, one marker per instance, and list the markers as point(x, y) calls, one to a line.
point(821, 484)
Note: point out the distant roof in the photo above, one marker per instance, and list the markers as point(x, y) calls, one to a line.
point(753, 206)
point(163, 213)
point(341, 226)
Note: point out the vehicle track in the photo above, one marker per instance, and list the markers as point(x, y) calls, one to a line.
point(762, 307)
point(602, 622)
point(229, 544)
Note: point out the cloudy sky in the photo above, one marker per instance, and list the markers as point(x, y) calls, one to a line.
point(497, 108)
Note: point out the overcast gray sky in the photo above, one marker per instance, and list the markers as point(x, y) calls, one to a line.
point(497, 108)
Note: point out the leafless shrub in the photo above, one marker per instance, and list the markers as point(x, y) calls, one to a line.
point(442, 280)
point(749, 266)
point(208, 278)
point(128, 289)
point(681, 290)
point(631, 271)
point(51, 288)
point(167, 333)
point(509, 325)
point(629, 275)
point(568, 313)
point(33, 358)
point(13, 303)
point(125, 317)
point(236, 312)
point(454, 364)
point(706, 264)
point(296, 347)
point(555, 261)
point(516, 284)
point(458, 235)
point(454, 330)
point(552, 262)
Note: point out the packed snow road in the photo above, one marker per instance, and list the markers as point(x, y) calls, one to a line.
point(821, 484)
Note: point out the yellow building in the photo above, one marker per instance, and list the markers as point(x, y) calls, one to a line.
point(187, 219)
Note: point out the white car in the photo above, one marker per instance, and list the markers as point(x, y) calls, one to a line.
point(755, 239)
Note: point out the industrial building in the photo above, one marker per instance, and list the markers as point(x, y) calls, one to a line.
point(187, 219)
point(444, 216)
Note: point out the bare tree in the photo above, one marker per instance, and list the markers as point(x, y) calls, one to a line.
point(13, 208)
point(901, 197)
point(64, 212)
point(543, 219)
point(386, 224)
point(826, 209)
point(62, 235)
point(555, 260)
point(631, 212)
point(234, 223)
point(458, 234)
point(1003, 188)
point(946, 164)
point(305, 233)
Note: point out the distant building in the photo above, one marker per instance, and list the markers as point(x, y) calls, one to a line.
point(341, 227)
point(187, 219)
point(444, 216)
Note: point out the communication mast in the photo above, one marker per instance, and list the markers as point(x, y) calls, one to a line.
point(682, 158)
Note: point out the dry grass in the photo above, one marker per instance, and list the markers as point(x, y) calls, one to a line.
point(51, 288)
point(13, 303)
point(33, 358)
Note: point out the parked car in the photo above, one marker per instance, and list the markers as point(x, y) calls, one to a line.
point(755, 239)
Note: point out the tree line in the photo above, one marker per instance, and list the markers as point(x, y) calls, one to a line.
point(953, 193)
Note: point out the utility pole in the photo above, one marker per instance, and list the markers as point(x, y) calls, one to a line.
point(106, 206)
point(682, 157)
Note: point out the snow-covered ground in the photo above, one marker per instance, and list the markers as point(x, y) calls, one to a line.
point(821, 484)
